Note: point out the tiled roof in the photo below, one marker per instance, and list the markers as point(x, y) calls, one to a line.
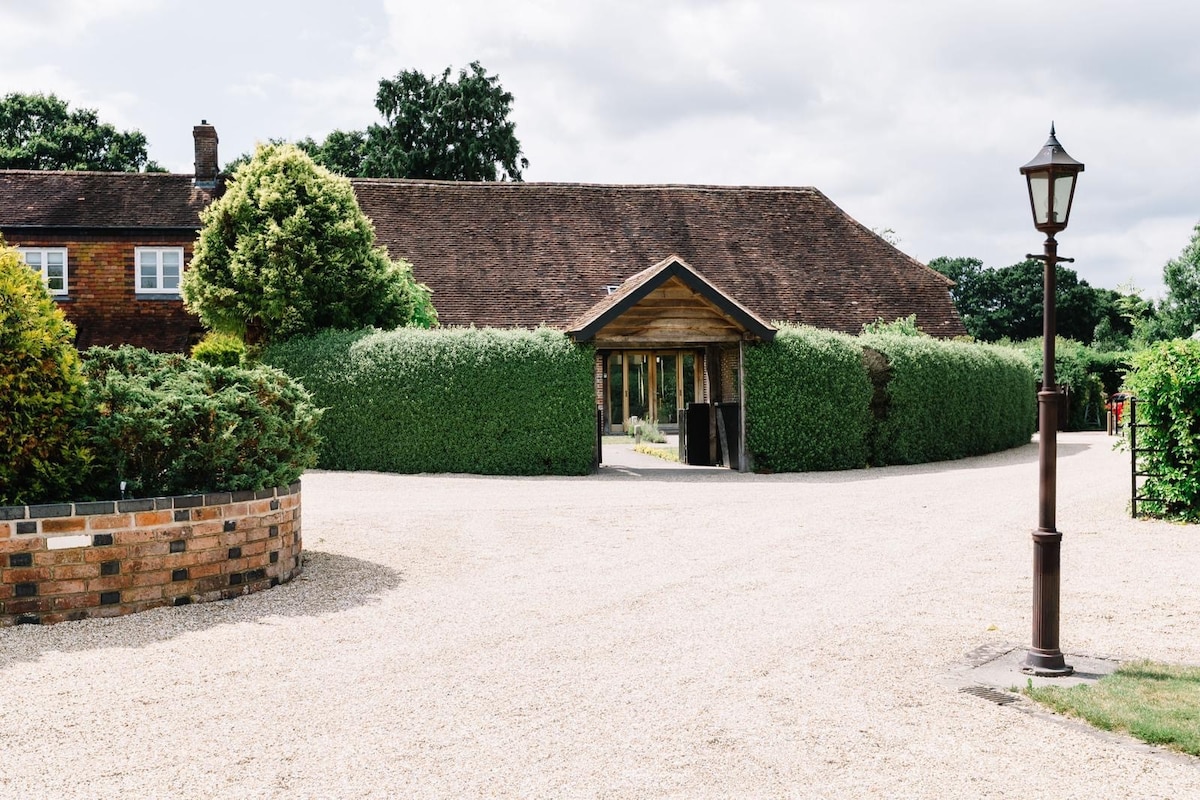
point(50, 199)
point(523, 254)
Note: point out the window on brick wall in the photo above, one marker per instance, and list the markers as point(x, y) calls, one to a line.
point(51, 262)
point(158, 269)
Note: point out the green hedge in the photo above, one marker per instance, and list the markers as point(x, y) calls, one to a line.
point(165, 424)
point(1091, 374)
point(807, 402)
point(483, 401)
point(945, 400)
point(1166, 380)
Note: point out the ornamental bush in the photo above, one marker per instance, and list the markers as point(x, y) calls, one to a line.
point(287, 251)
point(164, 424)
point(939, 400)
point(42, 448)
point(484, 401)
point(1166, 380)
point(220, 349)
point(807, 402)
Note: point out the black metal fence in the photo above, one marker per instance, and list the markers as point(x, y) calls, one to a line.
point(1139, 461)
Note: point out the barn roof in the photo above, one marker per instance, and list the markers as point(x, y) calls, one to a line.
point(524, 254)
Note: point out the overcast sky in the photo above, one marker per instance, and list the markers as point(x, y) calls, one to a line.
point(913, 116)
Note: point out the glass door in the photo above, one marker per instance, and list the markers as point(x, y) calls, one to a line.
point(666, 388)
point(638, 385)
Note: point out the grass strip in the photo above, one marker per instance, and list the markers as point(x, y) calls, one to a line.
point(1157, 703)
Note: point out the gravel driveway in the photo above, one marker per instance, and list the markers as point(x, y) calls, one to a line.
point(645, 632)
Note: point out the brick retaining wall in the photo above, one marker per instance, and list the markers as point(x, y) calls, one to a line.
point(72, 561)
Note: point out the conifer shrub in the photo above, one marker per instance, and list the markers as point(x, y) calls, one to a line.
point(220, 349)
point(483, 401)
point(164, 424)
point(42, 447)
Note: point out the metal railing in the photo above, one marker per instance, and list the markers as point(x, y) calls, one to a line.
point(1137, 466)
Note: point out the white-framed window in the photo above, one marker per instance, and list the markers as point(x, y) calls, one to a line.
point(158, 269)
point(51, 263)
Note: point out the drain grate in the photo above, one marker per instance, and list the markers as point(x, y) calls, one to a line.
point(993, 695)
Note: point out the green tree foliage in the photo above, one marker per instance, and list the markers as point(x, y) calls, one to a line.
point(1166, 380)
point(485, 401)
point(1006, 303)
point(433, 128)
point(444, 130)
point(165, 424)
point(42, 448)
point(38, 131)
point(1182, 277)
point(1092, 374)
point(807, 402)
point(287, 251)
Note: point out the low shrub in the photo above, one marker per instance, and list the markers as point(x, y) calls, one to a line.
point(484, 401)
point(163, 424)
point(42, 446)
point(1166, 380)
point(807, 402)
point(944, 400)
point(220, 349)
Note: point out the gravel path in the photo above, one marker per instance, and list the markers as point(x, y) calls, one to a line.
point(646, 632)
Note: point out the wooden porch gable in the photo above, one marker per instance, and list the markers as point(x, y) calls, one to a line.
point(668, 305)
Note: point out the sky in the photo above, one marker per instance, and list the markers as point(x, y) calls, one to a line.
point(913, 117)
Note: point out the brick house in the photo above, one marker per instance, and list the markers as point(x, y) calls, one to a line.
point(666, 282)
point(113, 245)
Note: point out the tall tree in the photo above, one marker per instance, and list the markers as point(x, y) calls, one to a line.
point(433, 128)
point(445, 130)
point(39, 131)
point(287, 251)
point(1182, 277)
point(1006, 303)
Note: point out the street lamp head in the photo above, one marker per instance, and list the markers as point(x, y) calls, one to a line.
point(1051, 179)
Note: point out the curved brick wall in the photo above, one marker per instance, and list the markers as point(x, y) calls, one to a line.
point(71, 561)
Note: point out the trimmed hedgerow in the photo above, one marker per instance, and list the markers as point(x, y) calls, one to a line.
point(483, 401)
point(42, 447)
point(164, 424)
point(945, 400)
point(807, 402)
point(1166, 380)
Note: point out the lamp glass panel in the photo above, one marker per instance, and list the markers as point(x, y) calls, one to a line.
point(1039, 192)
point(1062, 196)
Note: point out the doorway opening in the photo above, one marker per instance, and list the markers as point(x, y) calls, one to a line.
point(655, 385)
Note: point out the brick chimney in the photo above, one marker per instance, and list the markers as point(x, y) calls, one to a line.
point(207, 167)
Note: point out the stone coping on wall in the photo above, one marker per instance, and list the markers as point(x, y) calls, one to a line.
point(72, 561)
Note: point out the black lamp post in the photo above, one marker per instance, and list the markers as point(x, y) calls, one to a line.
point(1051, 178)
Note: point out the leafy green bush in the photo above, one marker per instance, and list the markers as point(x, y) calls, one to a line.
point(944, 400)
point(501, 402)
point(164, 424)
point(42, 451)
point(220, 349)
point(807, 402)
point(1166, 380)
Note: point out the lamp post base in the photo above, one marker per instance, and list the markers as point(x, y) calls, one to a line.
point(1046, 664)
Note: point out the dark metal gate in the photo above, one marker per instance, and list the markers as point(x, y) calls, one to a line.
point(1137, 461)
